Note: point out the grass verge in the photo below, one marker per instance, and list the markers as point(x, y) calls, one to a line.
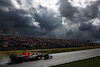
point(56, 50)
point(92, 62)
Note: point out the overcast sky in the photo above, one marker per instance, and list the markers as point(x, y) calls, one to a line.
point(64, 19)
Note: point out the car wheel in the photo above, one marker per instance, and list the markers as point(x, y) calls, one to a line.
point(51, 57)
point(19, 60)
point(13, 57)
point(46, 56)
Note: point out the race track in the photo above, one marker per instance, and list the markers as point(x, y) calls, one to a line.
point(60, 58)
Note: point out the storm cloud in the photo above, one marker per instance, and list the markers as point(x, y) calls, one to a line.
point(65, 19)
point(26, 20)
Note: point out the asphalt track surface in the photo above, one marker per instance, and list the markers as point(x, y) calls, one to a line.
point(60, 58)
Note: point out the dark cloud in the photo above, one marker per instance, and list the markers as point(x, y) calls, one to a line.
point(5, 3)
point(81, 17)
point(13, 22)
point(90, 29)
point(90, 12)
point(78, 14)
point(17, 20)
point(95, 33)
point(67, 10)
point(47, 19)
point(37, 20)
point(86, 26)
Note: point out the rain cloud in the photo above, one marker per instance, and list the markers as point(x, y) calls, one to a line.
point(64, 19)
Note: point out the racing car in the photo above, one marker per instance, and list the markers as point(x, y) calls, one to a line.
point(28, 56)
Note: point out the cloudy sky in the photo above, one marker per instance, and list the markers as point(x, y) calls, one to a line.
point(64, 19)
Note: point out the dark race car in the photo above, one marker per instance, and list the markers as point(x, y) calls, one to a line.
point(28, 57)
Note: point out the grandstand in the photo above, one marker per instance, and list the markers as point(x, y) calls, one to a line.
point(8, 41)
